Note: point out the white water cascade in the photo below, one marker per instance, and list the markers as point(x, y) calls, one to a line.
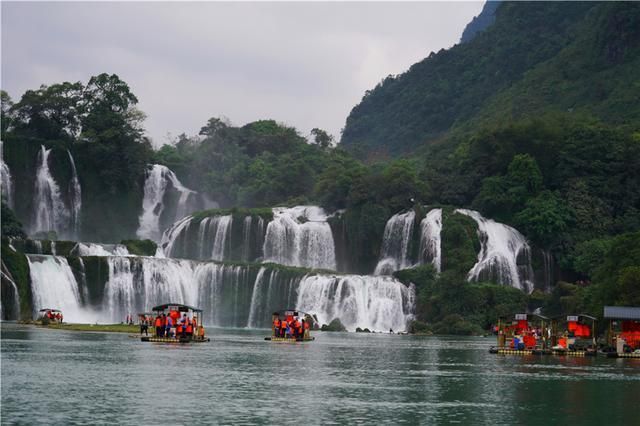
point(54, 286)
point(300, 236)
point(7, 180)
point(50, 213)
point(394, 254)
point(501, 246)
point(430, 240)
point(75, 198)
point(377, 303)
point(95, 249)
point(230, 295)
point(8, 286)
point(153, 204)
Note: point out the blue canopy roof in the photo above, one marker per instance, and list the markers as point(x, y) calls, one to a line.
point(622, 312)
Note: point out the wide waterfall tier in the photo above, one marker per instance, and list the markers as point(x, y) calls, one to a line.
point(396, 242)
point(165, 201)
point(430, 239)
point(221, 237)
point(95, 249)
point(53, 285)
point(297, 236)
point(6, 183)
point(300, 236)
point(377, 303)
point(505, 255)
point(109, 288)
point(49, 212)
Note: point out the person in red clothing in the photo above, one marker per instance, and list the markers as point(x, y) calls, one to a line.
point(276, 327)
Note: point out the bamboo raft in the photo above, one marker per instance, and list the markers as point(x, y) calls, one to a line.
point(289, 339)
point(154, 339)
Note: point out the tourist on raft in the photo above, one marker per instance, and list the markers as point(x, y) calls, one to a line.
point(172, 325)
point(294, 328)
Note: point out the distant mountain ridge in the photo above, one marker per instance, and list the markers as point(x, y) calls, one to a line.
point(535, 58)
point(481, 22)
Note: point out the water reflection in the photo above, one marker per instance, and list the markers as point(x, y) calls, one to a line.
point(339, 378)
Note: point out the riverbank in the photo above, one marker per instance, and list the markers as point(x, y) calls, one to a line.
point(111, 328)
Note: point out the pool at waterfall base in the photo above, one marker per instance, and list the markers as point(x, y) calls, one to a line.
point(63, 377)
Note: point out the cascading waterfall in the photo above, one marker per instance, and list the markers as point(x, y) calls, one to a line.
point(377, 303)
point(300, 236)
point(54, 286)
point(230, 295)
point(10, 293)
point(50, 213)
point(501, 246)
point(430, 241)
point(220, 228)
point(7, 180)
point(394, 254)
point(94, 249)
point(75, 197)
point(153, 203)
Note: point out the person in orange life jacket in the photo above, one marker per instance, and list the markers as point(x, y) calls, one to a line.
point(158, 325)
point(283, 328)
point(276, 327)
point(306, 327)
point(300, 327)
point(183, 325)
point(168, 326)
point(189, 328)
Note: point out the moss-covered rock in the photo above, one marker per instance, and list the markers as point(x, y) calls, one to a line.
point(140, 247)
point(18, 266)
point(334, 325)
point(96, 275)
point(459, 242)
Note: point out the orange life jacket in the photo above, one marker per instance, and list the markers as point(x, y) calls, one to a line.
point(158, 322)
point(276, 323)
point(283, 324)
point(189, 326)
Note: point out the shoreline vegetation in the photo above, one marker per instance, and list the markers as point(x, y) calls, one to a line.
point(109, 328)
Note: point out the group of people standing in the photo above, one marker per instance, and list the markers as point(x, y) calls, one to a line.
point(172, 325)
point(291, 327)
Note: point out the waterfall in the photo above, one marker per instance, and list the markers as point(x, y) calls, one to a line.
point(11, 294)
point(246, 238)
point(430, 243)
point(501, 246)
point(396, 240)
point(300, 236)
point(75, 198)
point(154, 203)
point(94, 249)
point(50, 213)
point(377, 303)
point(6, 183)
point(54, 286)
point(220, 228)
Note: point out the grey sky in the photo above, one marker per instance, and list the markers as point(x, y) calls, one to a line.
point(305, 64)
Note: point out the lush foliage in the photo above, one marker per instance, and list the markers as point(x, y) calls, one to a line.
point(557, 56)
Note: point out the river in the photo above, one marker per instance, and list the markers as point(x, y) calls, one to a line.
point(61, 377)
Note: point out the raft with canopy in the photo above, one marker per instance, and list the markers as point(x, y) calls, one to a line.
point(523, 334)
point(291, 334)
point(623, 334)
point(574, 335)
point(51, 314)
point(176, 333)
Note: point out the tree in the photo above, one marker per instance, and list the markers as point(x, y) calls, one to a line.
point(545, 218)
point(321, 138)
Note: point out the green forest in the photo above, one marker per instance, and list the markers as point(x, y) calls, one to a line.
point(535, 125)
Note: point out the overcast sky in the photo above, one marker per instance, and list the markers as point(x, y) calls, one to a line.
point(304, 64)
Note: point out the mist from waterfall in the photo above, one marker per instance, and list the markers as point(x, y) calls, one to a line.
point(501, 247)
point(300, 236)
point(396, 240)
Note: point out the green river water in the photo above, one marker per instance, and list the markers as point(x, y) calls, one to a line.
point(60, 377)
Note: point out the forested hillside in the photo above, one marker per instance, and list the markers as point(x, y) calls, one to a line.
point(579, 57)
